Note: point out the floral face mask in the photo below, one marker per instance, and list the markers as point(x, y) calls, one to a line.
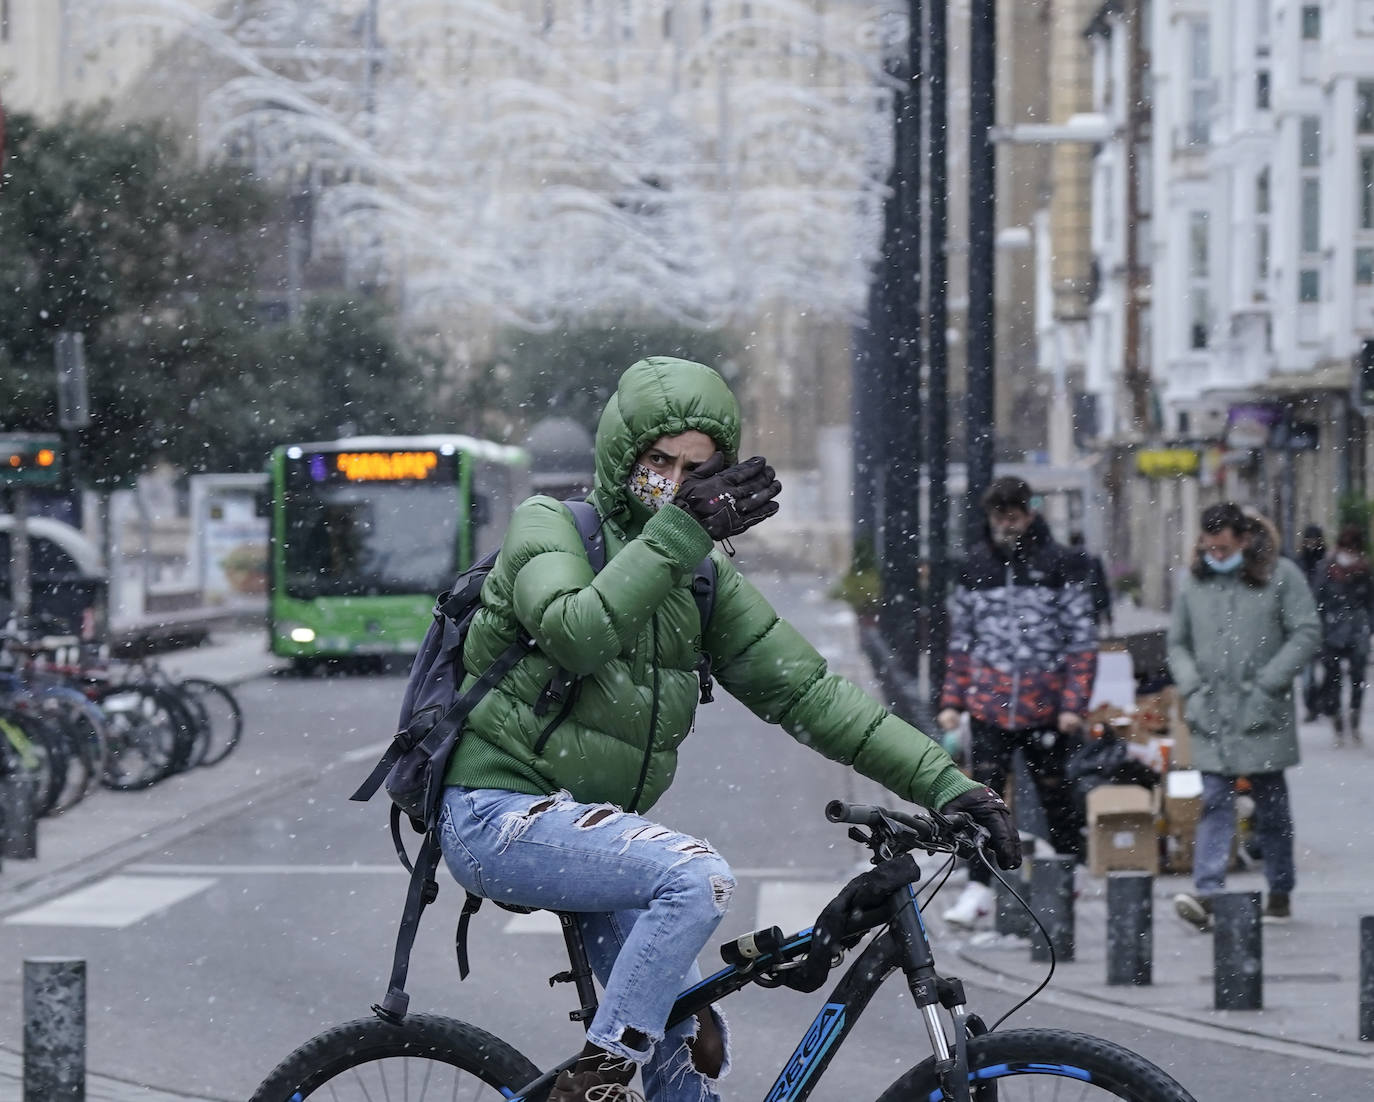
point(652, 488)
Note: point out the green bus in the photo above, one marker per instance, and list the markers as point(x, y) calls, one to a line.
point(365, 531)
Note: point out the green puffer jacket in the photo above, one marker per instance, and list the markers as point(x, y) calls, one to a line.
point(632, 633)
point(1236, 642)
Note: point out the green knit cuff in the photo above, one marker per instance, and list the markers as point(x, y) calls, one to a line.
point(950, 784)
point(678, 534)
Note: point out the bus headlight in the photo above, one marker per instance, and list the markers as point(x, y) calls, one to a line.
point(302, 635)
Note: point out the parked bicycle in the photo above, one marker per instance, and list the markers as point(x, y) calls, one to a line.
point(72, 719)
point(409, 1058)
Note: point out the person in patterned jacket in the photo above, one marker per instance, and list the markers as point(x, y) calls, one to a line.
point(1022, 658)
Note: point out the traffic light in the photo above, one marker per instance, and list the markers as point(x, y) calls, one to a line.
point(30, 459)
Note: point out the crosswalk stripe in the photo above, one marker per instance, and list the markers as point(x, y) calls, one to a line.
point(114, 903)
point(791, 904)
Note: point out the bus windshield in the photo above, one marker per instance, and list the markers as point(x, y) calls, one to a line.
point(370, 539)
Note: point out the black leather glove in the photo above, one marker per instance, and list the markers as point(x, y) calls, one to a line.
point(728, 500)
point(986, 808)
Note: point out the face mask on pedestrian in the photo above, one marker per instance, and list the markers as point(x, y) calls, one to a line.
point(1226, 565)
point(653, 489)
point(1005, 537)
point(1347, 558)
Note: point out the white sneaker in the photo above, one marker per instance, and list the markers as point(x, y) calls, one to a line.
point(974, 902)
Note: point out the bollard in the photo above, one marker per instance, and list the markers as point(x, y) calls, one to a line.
point(1367, 978)
point(1238, 951)
point(20, 825)
point(54, 1030)
point(1052, 901)
point(1011, 917)
point(1130, 928)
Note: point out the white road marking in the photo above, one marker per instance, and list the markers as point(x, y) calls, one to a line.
point(266, 870)
point(540, 922)
point(114, 903)
point(791, 904)
point(362, 753)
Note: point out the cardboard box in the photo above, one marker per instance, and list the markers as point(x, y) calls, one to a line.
point(1180, 809)
point(1121, 829)
point(1153, 713)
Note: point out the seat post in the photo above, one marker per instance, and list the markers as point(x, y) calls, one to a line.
point(581, 968)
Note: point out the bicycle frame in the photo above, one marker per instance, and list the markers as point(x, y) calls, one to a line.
point(904, 944)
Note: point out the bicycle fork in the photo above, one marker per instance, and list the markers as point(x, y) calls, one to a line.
point(930, 993)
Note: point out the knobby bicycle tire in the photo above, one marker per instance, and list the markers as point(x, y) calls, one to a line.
point(373, 1059)
point(224, 715)
point(1017, 1064)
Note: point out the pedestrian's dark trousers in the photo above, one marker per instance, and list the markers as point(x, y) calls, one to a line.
point(1356, 659)
point(1046, 752)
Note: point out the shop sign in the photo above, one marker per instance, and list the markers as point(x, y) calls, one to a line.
point(1167, 462)
point(1249, 425)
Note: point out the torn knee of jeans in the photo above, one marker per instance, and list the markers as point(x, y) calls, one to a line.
point(722, 889)
point(596, 816)
point(515, 823)
point(707, 1045)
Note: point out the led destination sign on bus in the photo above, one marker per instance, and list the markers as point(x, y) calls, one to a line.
point(334, 468)
point(385, 466)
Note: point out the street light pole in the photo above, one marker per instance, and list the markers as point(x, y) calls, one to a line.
point(982, 166)
point(937, 322)
point(901, 539)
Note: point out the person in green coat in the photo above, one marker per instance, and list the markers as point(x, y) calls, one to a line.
point(1244, 626)
point(548, 808)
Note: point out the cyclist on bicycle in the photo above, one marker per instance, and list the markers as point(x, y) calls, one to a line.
point(550, 814)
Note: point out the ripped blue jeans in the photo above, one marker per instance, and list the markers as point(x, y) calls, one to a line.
point(650, 900)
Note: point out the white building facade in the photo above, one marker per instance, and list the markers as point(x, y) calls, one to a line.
point(1260, 252)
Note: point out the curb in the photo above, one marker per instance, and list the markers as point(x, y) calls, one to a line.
point(1071, 997)
point(92, 866)
point(99, 1088)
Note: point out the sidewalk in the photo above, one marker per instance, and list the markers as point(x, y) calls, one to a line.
point(108, 828)
point(1311, 965)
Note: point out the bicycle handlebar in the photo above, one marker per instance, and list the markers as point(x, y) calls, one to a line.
point(952, 833)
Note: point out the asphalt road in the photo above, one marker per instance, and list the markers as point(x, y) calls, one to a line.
point(289, 912)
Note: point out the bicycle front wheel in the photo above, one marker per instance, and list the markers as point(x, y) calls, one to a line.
point(424, 1058)
point(1024, 1064)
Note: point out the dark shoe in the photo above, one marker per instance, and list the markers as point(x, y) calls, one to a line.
point(1276, 908)
point(596, 1077)
point(1196, 910)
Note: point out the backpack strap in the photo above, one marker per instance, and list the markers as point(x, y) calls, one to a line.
point(423, 890)
point(704, 593)
point(448, 724)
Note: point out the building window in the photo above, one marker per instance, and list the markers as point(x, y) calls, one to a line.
point(1366, 185)
point(1364, 267)
point(1310, 142)
point(1311, 22)
point(1309, 285)
point(1262, 200)
point(1364, 107)
point(1197, 244)
point(1200, 82)
point(1311, 215)
point(1199, 265)
point(1262, 90)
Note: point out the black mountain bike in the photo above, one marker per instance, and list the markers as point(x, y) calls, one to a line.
point(426, 1056)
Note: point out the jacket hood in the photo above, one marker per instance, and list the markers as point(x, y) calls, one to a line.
point(1259, 556)
point(659, 396)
